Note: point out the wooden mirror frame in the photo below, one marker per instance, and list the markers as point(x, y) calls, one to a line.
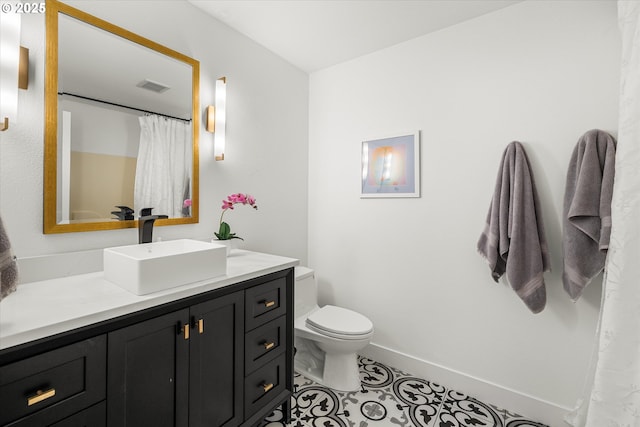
point(50, 224)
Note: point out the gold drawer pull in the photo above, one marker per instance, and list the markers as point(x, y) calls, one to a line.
point(40, 396)
point(185, 328)
point(267, 387)
point(269, 304)
point(201, 325)
point(269, 345)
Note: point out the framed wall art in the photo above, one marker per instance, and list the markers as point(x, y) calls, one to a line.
point(391, 166)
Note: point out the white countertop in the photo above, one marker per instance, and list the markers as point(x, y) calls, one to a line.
point(41, 309)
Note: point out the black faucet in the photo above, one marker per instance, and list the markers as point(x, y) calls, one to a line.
point(145, 225)
point(124, 214)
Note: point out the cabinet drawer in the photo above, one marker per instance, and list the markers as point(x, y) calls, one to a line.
point(265, 302)
point(96, 416)
point(55, 384)
point(264, 384)
point(264, 343)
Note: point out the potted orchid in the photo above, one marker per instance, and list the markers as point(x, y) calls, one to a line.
point(224, 233)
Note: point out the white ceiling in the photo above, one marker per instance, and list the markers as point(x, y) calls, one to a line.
point(315, 34)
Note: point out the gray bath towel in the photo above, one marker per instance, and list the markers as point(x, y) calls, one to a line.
point(513, 240)
point(8, 267)
point(587, 210)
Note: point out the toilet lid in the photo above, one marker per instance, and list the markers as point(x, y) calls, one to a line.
point(338, 320)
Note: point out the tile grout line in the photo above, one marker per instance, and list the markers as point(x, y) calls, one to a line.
point(444, 397)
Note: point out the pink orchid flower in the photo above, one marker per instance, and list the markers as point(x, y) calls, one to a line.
point(224, 232)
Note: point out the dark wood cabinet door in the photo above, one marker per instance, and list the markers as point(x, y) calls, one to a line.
point(147, 379)
point(217, 361)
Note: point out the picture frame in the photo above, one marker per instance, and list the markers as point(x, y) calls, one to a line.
point(391, 166)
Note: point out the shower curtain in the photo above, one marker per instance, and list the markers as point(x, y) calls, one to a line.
point(612, 398)
point(163, 169)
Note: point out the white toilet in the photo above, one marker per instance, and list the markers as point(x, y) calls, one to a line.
point(327, 339)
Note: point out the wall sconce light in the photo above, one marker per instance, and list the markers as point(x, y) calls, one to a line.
point(14, 63)
point(217, 117)
point(221, 118)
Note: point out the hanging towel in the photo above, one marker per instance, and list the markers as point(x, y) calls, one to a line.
point(513, 240)
point(8, 267)
point(587, 210)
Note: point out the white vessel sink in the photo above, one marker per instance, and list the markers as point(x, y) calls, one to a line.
point(151, 267)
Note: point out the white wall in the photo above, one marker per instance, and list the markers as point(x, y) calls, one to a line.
point(539, 72)
point(267, 123)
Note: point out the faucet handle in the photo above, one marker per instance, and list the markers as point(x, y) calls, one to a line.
point(124, 214)
point(145, 211)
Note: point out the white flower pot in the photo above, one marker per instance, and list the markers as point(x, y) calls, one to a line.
point(230, 244)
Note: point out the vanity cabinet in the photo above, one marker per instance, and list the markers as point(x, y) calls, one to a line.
point(179, 369)
point(222, 358)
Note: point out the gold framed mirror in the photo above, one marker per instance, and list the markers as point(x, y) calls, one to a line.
point(111, 96)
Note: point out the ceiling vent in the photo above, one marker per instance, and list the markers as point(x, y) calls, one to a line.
point(153, 86)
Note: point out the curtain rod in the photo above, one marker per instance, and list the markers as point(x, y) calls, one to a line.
point(123, 106)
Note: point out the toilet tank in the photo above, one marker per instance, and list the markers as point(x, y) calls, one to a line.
point(306, 291)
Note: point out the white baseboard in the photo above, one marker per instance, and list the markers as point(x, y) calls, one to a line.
point(528, 406)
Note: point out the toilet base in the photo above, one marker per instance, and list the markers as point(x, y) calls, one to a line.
point(341, 372)
point(338, 371)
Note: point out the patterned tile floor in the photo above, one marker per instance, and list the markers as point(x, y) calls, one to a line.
point(389, 397)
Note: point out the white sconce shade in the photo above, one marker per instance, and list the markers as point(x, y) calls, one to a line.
point(220, 118)
point(9, 66)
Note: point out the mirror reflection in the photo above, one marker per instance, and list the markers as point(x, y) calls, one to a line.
point(125, 131)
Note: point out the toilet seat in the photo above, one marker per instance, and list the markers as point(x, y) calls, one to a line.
point(339, 323)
